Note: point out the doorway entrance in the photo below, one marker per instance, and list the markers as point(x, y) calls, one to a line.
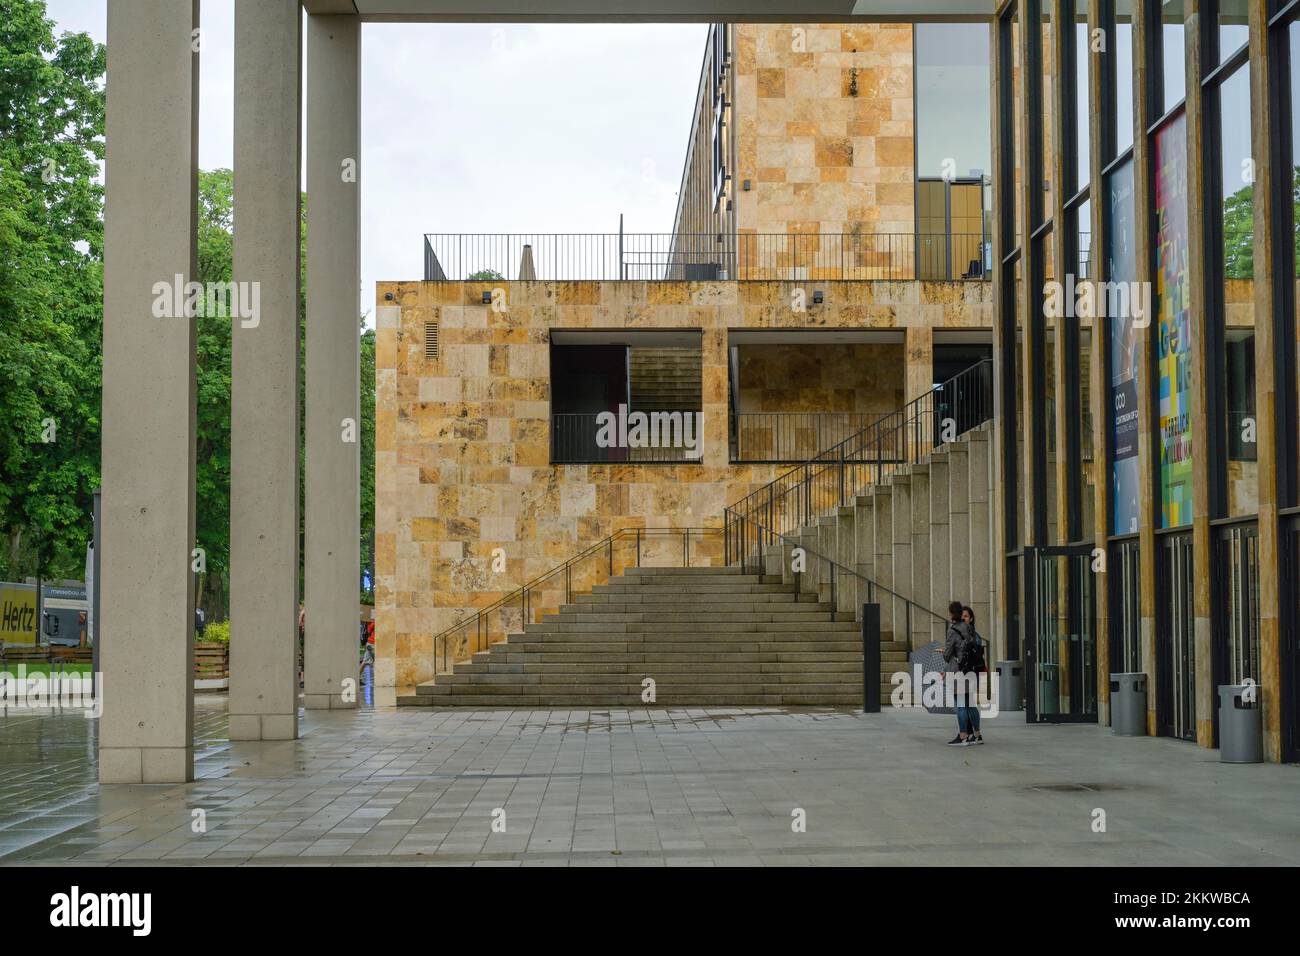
point(1061, 648)
point(1175, 638)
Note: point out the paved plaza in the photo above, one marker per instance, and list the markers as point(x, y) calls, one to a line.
point(715, 786)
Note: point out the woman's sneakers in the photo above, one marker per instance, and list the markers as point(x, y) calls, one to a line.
point(977, 739)
point(959, 741)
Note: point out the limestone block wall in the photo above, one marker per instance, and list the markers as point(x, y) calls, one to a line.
point(462, 438)
point(824, 128)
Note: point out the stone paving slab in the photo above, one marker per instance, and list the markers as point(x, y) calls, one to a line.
point(625, 787)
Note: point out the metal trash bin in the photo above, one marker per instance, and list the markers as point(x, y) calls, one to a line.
point(1128, 705)
point(1241, 728)
point(1011, 686)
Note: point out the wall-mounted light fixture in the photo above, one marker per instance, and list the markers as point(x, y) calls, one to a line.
point(818, 298)
point(745, 186)
point(388, 297)
point(487, 297)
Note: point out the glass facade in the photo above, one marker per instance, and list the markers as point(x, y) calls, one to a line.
point(1082, 112)
point(1173, 55)
point(1235, 220)
point(1147, 315)
point(953, 117)
point(1121, 40)
point(1125, 354)
point(1234, 29)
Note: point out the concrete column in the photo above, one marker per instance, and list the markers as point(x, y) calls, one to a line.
point(959, 579)
point(920, 594)
point(333, 361)
point(264, 375)
point(883, 537)
point(901, 485)
point(848, 584)
point(981, 534)
point(147, 585)
point(864, 537)
point(940, 531)
point(824, 545)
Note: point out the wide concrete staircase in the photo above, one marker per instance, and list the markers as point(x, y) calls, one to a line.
point(702, 636)
point(770, 630)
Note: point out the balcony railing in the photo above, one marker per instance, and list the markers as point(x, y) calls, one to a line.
point(583, 439)
point(792, 437)
point(784, 257)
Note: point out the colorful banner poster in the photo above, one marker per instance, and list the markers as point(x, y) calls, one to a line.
point(1124, 356)
point(1173, 328)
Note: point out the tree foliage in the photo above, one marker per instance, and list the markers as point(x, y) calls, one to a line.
point(51, 315)
point(51, 288)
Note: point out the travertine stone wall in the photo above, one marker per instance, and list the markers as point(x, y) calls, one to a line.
point(824, 128)
point(866, 378)
point(462, 440)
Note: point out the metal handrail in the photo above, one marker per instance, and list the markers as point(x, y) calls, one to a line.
point(522, 595)
point(764, 537)
point(903, 437)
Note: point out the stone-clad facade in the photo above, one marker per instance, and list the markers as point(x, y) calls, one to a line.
point(825, 128)
point(463, 440)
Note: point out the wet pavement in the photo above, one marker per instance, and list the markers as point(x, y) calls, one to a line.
point(701, 787)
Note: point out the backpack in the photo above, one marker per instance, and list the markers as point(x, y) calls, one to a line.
point(970, 655)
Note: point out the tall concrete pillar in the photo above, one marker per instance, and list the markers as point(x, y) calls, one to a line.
point(147, 586)
point(333, 479)
point(264, 374)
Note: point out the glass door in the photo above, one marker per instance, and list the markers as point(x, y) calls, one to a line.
point(1061, 648)
point(1290, 640)
point(1176, 640)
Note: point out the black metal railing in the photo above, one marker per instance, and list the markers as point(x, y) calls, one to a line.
point(586, 439)
point(613, 555)
point(844, 588)
point(792, 437)
point(785, 257)
point(833, 477)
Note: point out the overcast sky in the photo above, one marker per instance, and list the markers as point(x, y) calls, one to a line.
point(500, 128)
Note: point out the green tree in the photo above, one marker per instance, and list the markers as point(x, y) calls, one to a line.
point(212, 393)
point(51, 281)
point(485, 275)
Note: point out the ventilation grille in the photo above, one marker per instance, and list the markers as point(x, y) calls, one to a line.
point(431, 340)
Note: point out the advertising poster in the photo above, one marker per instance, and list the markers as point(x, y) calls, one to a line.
point(1124, 353)
point(17, 614)
point(1173, 329)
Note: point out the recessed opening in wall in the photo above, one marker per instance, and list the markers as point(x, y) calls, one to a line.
point(794, 393)
point(626, 396)
point(431, 340)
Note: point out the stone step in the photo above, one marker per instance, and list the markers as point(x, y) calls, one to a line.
point(672, 597)
point(791, 652)
point(619, 587)
point(791, 698)
point(799, 625)
point(707, 611)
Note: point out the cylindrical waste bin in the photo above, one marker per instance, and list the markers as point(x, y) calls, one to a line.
point(1011, 685)
point(1128, 705)
point(1241, 730)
